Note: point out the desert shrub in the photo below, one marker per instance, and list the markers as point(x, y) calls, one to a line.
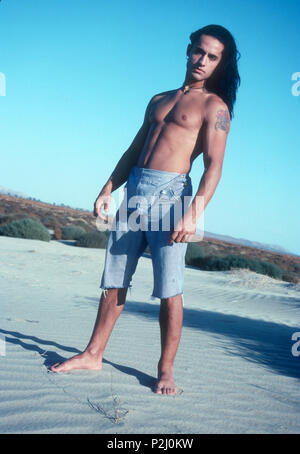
point(26, 228)
point(3, 218)
point(72, 232)
point(296, 267)
point(236, 261)
point(6, 218)
point(194, 254)
point(94, 239)
point(290, 278)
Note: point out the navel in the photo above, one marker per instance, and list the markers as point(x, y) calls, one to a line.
point(183, 117)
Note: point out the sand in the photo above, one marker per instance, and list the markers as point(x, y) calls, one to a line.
point(234, 368)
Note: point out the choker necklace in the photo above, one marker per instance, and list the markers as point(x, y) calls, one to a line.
point(187, 88)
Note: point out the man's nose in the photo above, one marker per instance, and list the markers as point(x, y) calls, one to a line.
point(202, 60)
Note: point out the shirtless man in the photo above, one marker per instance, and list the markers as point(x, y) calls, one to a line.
point(178, 126)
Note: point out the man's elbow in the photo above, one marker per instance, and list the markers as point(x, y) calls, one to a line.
point(214, 169)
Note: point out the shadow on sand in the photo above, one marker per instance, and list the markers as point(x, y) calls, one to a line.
point(51, 356)
point(266, 343)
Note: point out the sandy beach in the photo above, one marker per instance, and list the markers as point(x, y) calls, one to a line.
point(234, 369)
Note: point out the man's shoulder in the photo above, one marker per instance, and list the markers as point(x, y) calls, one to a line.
point(216, 107)
point(214, 101)
point(162, 94)
point(217, 113)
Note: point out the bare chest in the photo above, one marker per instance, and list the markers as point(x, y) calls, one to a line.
point(183, 110)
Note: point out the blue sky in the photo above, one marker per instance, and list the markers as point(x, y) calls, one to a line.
point(79, 76)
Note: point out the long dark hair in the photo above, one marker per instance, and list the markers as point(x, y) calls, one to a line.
point(225, 80)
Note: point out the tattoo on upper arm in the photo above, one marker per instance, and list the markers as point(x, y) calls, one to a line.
point(223, 120)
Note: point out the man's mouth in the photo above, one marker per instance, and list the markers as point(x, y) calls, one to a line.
point(199, 70)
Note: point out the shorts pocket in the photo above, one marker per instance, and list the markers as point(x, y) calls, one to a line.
point(172, 192)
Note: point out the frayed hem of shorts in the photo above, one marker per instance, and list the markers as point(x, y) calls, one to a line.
point(153, 297)
point(115, 286)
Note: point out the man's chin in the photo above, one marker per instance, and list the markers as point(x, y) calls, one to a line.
point(193, 80)
point(196, 77)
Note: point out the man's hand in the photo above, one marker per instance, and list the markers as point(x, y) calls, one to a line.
point(184, 229)
point(187, 225)
point(103, 200)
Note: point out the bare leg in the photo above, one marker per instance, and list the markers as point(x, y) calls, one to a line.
point(170, 319)
point(110, 307)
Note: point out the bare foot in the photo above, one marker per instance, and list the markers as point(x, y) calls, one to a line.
point(84, 360)
point(165, 384)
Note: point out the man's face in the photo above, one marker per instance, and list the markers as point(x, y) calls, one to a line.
point(204, 56)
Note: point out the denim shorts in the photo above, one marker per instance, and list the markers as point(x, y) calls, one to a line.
point(153, 202)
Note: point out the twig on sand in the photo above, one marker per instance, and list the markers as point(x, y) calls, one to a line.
point(117, 415)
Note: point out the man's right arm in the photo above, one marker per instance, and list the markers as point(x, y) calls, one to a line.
point(123, 167)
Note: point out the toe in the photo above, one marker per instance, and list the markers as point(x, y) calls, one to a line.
point(57, 367)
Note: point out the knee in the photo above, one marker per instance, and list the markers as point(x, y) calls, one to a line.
point(172, 299)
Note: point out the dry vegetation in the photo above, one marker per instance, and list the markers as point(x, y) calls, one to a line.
point(54, 217)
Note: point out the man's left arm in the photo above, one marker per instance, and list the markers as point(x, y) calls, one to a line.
point(216, 128)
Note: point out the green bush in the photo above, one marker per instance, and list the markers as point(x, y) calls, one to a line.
point(95, 239)
point(72, 232)
point(194, 255)
point(3, 218)
point(26, 228)
point(236, 261)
